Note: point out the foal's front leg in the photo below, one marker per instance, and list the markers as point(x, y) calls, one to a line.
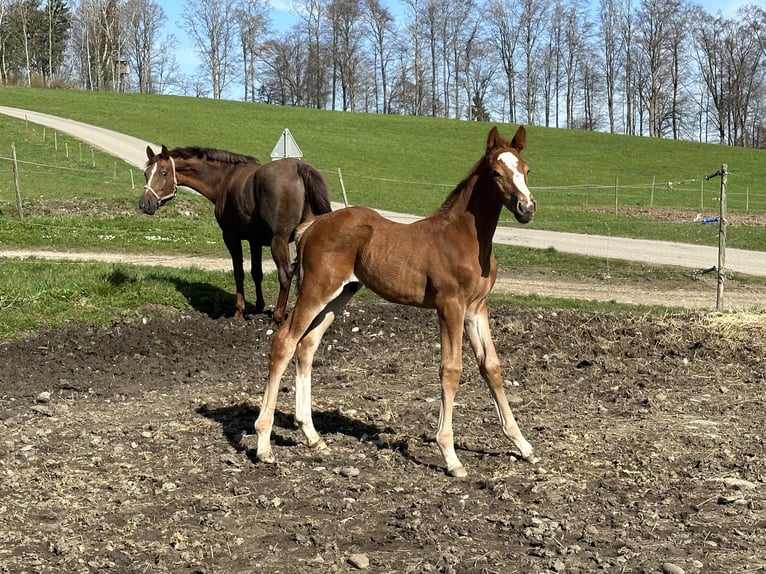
point(477, 327)
point(450, 368)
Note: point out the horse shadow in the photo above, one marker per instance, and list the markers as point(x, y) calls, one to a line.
point(213, 301)
point(237, 426)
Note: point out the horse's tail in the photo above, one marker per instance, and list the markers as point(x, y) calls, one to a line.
point(317, 192)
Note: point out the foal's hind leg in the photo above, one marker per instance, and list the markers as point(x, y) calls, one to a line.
point(305, 358)
point(310, 314)
point(477, 328)
point(280, 252)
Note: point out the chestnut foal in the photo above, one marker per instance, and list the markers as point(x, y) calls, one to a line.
point(444, 262)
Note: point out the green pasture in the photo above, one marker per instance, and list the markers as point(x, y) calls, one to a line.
point(587, 182)
point(76, 198)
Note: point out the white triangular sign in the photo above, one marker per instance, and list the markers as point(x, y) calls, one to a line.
point(286, 147)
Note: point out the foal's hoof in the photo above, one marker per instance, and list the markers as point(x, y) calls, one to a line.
point(457, 472)
point(267, 458)
point(319, 445)
point(531, 459)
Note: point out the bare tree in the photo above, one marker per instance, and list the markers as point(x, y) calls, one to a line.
point(346, 21)
point(380, 23)
point(254, 25)
point(286, 64)
point(610, 39)
point(145, 20)
point(212, 26)
point(534, 20)
point(504, 34)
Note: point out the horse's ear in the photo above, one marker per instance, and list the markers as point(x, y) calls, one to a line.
point(519, 141)
point(149, 152)
point(165, 153)
point(492, 139)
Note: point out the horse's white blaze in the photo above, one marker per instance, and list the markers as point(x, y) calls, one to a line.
point(512, 162)
point(151, 175)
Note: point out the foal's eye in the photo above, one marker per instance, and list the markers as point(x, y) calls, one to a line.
point(164, 174)
point(495, 173)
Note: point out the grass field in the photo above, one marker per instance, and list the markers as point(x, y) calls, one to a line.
point(75, 198)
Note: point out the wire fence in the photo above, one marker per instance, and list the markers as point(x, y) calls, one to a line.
point(71, 161)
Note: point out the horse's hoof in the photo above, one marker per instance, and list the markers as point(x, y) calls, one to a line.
point(457, 472)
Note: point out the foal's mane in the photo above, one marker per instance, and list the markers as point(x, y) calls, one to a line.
point(211, 154)
point(468, 180)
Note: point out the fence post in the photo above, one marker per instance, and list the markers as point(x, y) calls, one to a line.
point(719, 300)
point(343, 188)
point(16, 181)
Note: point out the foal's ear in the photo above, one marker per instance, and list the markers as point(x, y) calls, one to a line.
point(519, 141)
point(149, 152)
point(492, 139)
point(165, 153)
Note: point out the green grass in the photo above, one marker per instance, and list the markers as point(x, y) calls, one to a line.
point(77, 198)
point(37, 294)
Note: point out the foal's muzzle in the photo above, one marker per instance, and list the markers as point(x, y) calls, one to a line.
point(525, 211)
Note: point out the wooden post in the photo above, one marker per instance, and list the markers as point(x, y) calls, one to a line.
point(343, 188)
point(651, 199)
point(16, 181)
point(616, 193)
point(719, 304)
point(724, 173)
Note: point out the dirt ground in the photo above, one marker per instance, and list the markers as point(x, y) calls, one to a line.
point(123, 449)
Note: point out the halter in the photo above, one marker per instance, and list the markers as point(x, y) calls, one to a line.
point(170, 196)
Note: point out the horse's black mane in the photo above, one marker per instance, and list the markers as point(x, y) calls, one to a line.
point(211, 154)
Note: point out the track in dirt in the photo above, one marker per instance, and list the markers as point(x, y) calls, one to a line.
point(121, 449)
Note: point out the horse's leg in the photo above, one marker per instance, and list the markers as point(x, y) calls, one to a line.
point(234, 245)
point(451, 331)
point(280, 252)
point(304, 359)
point(256, 272)
point(477, 327)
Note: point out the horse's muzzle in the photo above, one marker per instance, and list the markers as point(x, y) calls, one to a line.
point(524, 212)
point(148, 204)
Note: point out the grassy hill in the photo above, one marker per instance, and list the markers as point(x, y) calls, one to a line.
point(583, 181)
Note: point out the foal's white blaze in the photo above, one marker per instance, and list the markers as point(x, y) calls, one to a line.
point(512, 162)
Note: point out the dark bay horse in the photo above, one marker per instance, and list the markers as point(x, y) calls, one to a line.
point(258, 203)
point(444, 261)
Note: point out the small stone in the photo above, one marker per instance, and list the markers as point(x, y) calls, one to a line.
point(349, 471)
point(670, 568)
point(739, 484)
point(359, 561)
point(44, 397)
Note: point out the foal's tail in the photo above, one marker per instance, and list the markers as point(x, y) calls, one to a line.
point(317, 192)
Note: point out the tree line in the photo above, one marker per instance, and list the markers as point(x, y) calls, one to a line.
point(659, 68)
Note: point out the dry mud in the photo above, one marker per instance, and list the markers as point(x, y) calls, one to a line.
point(124, 449)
